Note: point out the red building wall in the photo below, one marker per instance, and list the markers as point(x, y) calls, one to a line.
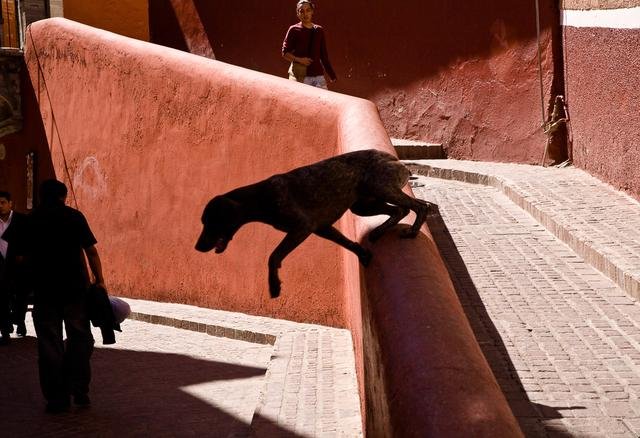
point(602, 61)
point(464, 74)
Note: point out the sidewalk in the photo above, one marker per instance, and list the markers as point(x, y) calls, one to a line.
point(179, 370)
point(562, 339)
point(598, 222)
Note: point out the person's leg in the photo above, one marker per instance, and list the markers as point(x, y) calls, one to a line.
point(78, 352)
point(5, 309)
point(47, 319)
point(19, 307)
point(316, 81)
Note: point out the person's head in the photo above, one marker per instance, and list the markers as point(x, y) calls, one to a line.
point(5, 204)
point(304, 10)
point(52, 191)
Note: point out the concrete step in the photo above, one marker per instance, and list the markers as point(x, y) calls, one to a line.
point(417, 150)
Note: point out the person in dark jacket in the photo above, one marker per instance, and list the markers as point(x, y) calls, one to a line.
point(13, 279)
point(58, 240)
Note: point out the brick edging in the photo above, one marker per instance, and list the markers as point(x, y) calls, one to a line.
point(210, 329)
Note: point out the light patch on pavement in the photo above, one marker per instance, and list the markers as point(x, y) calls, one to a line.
point(236, 397)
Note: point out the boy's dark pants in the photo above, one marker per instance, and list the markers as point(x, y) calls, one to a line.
point(64, 365)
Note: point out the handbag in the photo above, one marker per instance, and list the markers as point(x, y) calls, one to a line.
point(298, 71)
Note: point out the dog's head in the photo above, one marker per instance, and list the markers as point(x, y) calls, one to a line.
point(221, 219)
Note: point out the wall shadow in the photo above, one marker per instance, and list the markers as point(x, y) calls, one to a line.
point(373, 46)
point(166, 29)
point(530, 415)
point(134, 393)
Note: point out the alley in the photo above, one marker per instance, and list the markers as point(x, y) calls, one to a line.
point(562, 339)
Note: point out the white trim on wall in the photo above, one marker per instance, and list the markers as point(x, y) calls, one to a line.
point(626, 18)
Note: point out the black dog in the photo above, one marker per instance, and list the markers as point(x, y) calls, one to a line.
point(311, 199)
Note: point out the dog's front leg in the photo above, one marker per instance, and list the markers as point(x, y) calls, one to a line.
point(288, 244)
point(334, 235)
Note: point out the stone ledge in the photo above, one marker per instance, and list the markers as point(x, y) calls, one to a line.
point(417, 150)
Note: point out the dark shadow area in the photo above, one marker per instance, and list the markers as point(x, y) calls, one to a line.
point(166, 30)
point(133, 393)
point(530, 415)
point(372, 46)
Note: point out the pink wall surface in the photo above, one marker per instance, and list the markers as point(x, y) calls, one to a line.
point(603, 95)
point(146, 135)
point(464, 74)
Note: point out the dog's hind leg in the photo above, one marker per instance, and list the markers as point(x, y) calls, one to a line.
point(374, 207)
point(332, 234)
point(284, 248)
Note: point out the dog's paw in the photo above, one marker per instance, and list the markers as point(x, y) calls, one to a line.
point(365, 257)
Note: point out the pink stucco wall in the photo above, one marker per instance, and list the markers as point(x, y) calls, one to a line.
point(603, 94)
point(146, 135)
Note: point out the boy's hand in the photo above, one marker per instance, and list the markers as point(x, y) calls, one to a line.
point(304, 61)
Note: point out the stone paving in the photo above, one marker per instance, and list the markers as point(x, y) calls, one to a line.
point(562, 339)
point(179, 370)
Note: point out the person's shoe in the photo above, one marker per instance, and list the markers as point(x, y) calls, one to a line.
point(57, 407)
point(82, 400)
point(21, 329)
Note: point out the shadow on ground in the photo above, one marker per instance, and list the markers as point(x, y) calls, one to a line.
point(530, 415)
point(134, 393)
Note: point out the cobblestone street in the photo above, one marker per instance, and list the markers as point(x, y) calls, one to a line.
point(561, 338)
point(167, 376)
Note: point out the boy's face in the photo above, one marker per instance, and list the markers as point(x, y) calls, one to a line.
point(5, 207)
point(305, 13)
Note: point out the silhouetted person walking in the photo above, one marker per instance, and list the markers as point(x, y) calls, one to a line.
point(59, 237)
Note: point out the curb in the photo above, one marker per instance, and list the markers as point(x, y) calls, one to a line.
point(210, 329)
